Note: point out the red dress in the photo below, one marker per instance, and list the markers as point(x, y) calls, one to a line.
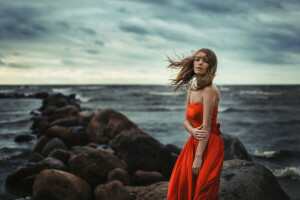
point(183, 184)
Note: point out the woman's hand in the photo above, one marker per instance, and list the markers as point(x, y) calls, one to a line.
point(198, 133)
point(197, 165)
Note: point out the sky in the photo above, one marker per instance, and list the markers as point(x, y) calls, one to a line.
point(128, 41)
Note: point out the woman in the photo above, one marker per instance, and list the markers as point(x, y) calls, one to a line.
point(197, 171)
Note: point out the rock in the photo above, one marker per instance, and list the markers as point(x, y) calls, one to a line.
point(85, 117)
point(20, 180)
point(120, 175)
point(106, 124)
point(40, 144)
point(70, 136)
point(173, 148)
point(151, 192)
point(141, 151)
point(146, 178)
point(36, 157)
point(61, 154)
point(64, 112)
point(54, 143)
point(59, 100)
point(52, 163)
point(80, 149)
point(59, 185)
point(234, 148)
point(241, 180)
point(113, 190)
point(40, 125)
point(23, 138)
point(94, 165)
point(92, 144)
point(68, 121)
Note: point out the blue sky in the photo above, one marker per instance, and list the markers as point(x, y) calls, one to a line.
point(125, 42)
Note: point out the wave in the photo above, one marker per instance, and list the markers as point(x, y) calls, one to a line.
point(258, 92)
point(166, 93)
point(274, 153)
point(14, 122)
point(287, 172)
point(224, 89)
point(21, 153)
point(62, 90)
point(83, 99)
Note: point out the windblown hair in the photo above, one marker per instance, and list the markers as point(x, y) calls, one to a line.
point(186, 76)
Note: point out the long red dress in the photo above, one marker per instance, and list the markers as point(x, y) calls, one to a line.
point(183, 184)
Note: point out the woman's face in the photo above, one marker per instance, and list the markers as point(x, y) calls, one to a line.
point(201, 63)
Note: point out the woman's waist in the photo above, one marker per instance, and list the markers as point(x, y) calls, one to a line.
point(215, 127)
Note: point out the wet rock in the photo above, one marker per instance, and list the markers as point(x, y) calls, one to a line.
point(59, 185)
point(141, 151)
point(61, 154)
point(146, 178)
point(120, 175)
point(70, 136)
point(36, 157)
point(151, 192)
point(23, 138)
point(78, 149)
point(21, 179)
point(68, 121)
point(106, 124)
point(54, 143)
point(94, 165)
point(113, 190)
point(241, 180)
point(59, 100)
point(234, 148)
point(40, 144)
point(52, 163)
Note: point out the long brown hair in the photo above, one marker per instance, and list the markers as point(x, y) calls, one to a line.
point(187, 75)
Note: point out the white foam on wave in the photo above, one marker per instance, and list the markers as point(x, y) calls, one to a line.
point(61, 90)
point(83, 99)
point(258, 92)
point(225, 89)
point(166, 93)
point(260, 153)
point(293, 172)
point(6, 91)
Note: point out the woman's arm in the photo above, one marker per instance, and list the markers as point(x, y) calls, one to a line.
point(209, 97)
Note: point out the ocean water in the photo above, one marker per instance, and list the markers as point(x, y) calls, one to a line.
point(266, 118)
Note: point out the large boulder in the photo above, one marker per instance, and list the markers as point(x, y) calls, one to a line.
point(94, 165)
point(240, 180)
point(141, 151)
point(59, 185)
point(234, 148)
point(106, 124)
point(243, 180)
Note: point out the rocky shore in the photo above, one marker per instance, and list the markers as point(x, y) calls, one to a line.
point(80, 154)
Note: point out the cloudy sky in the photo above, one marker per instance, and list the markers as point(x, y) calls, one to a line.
point(112, 42)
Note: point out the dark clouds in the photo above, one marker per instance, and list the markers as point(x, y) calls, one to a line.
point(259, 31)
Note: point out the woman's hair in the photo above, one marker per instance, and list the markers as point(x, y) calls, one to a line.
point(187, 75)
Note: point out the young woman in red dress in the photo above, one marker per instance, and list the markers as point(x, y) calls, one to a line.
point(197, 171)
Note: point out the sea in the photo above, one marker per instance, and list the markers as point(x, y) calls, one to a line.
point(266, 119)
